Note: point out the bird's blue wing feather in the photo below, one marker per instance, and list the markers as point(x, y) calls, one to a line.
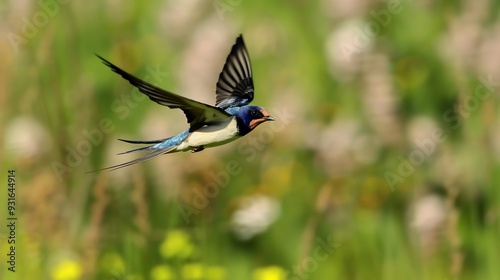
point(173, 141)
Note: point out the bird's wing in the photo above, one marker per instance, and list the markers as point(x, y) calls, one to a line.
point(235, 85)
point(198, 114)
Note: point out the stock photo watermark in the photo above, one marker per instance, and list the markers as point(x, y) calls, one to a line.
point(223, 6)
point(248, 148)
point(47, 9)
point(92, 138)
point(362, 35)
point(322, 251)
point(455, 117)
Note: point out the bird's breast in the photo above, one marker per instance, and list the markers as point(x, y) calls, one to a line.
point(214, 135)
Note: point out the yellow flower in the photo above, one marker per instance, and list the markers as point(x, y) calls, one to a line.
point(177, 244)
point(67, 270)
point(216, 273)
point(162, 272)
point(269, 273)
point(193, 271)
point(112, 262)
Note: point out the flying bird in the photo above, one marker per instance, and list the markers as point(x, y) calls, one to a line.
point(231, 118)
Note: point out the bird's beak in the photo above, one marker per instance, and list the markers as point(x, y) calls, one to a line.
point(267, 116)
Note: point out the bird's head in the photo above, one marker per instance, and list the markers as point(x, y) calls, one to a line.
point(252, 116)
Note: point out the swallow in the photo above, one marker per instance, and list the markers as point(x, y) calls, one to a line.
point(209, 126)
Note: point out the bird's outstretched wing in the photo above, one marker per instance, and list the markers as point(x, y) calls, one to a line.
point(235, 85)
point(198, 114)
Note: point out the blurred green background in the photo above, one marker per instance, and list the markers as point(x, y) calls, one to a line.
point(384, 162)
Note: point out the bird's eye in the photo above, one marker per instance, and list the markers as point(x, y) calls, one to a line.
point(254, 113)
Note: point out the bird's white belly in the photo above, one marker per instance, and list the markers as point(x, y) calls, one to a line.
point(211, 136)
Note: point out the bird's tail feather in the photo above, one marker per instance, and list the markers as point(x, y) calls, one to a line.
point(137, 150)
point(145, 141)
point(154, 153)
point(142, 142)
